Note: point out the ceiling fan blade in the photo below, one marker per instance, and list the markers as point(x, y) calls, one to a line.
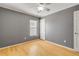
point(47, 9)
point(45, 3)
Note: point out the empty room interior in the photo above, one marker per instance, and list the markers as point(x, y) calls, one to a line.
point(39, 29)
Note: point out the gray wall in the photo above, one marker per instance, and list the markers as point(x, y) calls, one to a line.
point(59, 27)
point(14, 26)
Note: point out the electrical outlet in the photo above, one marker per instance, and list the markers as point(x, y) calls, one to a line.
point(25, 38)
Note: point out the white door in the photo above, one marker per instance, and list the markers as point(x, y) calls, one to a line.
point(76, 30)
point(42, 29)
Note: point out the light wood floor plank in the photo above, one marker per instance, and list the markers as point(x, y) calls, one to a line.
point(37, 48)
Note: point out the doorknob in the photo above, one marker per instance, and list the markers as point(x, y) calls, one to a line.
point(76, 33)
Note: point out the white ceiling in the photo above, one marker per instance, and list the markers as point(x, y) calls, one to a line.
point(31, 8)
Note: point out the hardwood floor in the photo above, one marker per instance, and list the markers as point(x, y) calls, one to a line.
point(37, 48)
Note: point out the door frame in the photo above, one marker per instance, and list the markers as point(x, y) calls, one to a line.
point(42, 31)
point(75, 29)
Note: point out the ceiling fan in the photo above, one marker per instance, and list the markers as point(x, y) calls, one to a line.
point(42, 7)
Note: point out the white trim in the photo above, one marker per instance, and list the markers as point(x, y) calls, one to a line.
point(62, 46)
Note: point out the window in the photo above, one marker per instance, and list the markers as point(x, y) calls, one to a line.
point(33, 28)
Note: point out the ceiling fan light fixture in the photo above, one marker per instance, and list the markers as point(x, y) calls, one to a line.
point(40, 8)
